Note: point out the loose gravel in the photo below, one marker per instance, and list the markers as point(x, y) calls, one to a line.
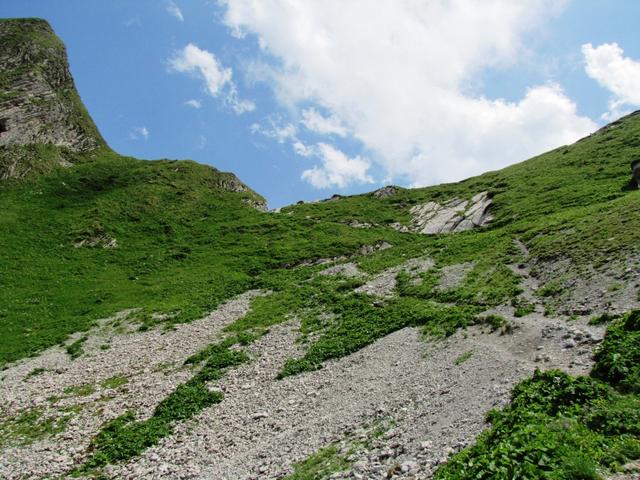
point(433, 401)
point(151, 361)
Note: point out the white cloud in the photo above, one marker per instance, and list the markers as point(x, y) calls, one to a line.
point(337, 170)
point(194, 60)
point(315, 122)
point(608, 66)
point(174, 11)
point(193, 103)
point(302, 150)
point(139, 132)
point(276, 130)
point(401, 81)
point(217, 78)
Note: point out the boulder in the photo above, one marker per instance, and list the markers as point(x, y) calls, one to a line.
point(454, 216)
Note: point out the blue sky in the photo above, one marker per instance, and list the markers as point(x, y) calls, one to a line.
point(303, 99)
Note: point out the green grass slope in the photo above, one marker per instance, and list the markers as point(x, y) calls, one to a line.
point(175, 239)
point(185, 243)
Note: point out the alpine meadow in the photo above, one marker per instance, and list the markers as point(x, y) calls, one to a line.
point(157, 320)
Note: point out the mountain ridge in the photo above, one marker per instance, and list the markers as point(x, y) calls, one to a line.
point(155, 323)
point(43, 122)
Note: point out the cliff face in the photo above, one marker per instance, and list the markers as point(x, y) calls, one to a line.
point(43, 123)
point(39, 103)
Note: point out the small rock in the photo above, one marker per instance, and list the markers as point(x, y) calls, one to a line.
point(360, 466)
point(386, 453)
point(409, 466)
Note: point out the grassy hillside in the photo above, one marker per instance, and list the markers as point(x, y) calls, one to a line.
point(184, 244)
point(168, 238)
point(86, 233)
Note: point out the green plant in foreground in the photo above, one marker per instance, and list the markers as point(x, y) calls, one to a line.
point(114, 382)
point(35, 372)
point(522, 307)
point(320, 465)
point(618, 358)
point(80, 390)
point(463, 357)
point(30, 426)
point(75, 349)
point(559, 427)
point(494, 321)
point(124, 437)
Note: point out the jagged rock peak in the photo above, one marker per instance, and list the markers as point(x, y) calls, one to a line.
point(39, 103)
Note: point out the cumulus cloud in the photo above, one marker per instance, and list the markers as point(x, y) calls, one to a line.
point(218, 79)
point(137, 133)
point(337, 169)
point(193, 103)
point(174, 11)
point(318, 123)
point(608, 66)
point(401, 81)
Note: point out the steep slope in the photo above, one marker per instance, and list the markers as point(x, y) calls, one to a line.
point(39, 103)
point(148, 292)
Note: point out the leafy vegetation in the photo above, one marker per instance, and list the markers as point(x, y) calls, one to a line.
point(320, 465)
point(618, 358)
point(522, 307)
point(75, 349)
point(82, 390)
point(30, 426)
point(463, 357)
point(494, 321)
point(114, 382)
point(563, 427)
point(125, 437)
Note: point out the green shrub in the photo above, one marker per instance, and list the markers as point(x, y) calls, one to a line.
point(559, 427)
point(618, 358)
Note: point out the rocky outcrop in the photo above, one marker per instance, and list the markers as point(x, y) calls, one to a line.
point(38, 99)
point(228, 182)
point(39, 104)
point(385, 192)
point(635, 174)
point(454, 216)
